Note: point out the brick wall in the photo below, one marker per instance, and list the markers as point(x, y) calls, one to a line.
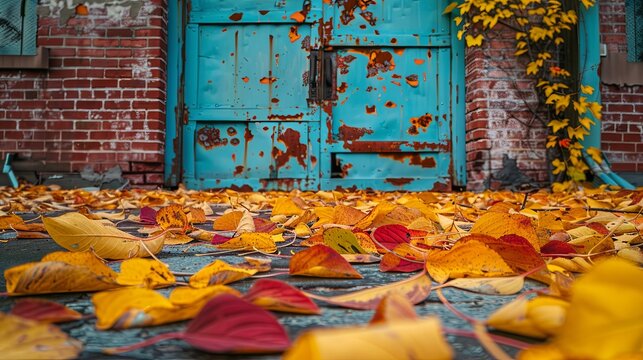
point(498, 121)
point(102, 101)
point(622, 136)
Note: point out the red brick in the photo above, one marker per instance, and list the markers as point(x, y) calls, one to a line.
point(154, 178)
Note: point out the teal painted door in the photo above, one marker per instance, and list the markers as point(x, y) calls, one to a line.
point(318, 94)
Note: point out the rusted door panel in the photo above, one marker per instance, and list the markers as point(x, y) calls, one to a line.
point(387, 126)
point(249, 121)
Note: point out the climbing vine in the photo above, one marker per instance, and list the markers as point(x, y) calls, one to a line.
point(540, 28)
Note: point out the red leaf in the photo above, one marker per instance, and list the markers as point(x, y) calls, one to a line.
point(392, 262)
point(148, 216)
point(557, 247)
point(227, 324)
point(219, 239)
point(390, 236)
point(279, 296)
point(44, 310)
point(263, 225)
point(598, 227)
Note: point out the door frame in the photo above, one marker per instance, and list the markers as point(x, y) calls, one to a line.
point(176, 116)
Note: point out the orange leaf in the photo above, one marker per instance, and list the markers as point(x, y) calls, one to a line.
point(219, 273)
point(27, 339)
point(415, 289)
point(228, 221)
point(497, 224)
point(250, 241)
point(322, 261)
point(515, 250)
point(346, 215)
point(394, 307)
point(398, 259)
point(286, 206)
point(172, 216)
point(10, 222)
point(472, 258)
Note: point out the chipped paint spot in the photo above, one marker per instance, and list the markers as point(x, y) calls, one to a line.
point(286, 117)
point(294, 149)
point(343, 62)
point(393, 41)
point(300, 16)
point(418, 123)
point(313, 161)
point(264, 12)
point(399, 51)
point(238, 170)
point(274, 100)
point(368, 16)
point(345, 169)
point(415, 159)
point(371, 110)
point(261, 153)
point(232, 131)
point(294, 34)
point(245, 79)
point(399, 181)
point(305, 43)
point(379, 61)
point(234, 142)
point(389, 104)
point(396, 83)
point(210, 138)
point(266, 80)
point(349, 133)
point(342, 87)
point(348, 13)
point(412, 80)
point(236, 16)
point(418, 61)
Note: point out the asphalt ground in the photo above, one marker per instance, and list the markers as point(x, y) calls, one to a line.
point(19, 251)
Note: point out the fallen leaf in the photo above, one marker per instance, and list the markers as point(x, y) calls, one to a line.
point(227, 324)
point(280, 296)
point(390, 236)
point(133, 307)
point(497, 224)
point(172, 216)
point(238, 221)
point(346, 215)
point(75, 232)
point(27, 339)
point(343, 241)
point(514, 249)
point(322, 261)
point(148, 216)
point(403, 258)
point(539, 317)
point(557, 247)
point(361, 258)
point(286, 206)
point(195, 215)
point(489, 286)
point(60, 272)
point(219, 272)
point(468, 259)
point(44, 311)
point(250, 241)
point(393, 307)
point(7, 222)
point(411, 339)
point(605, 317)
point(416, 289)
point(149, 273)
point(188, 296)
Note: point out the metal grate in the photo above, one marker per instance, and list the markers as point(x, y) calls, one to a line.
point(634, 30)
point(18, 23)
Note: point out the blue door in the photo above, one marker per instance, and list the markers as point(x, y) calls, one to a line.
point(318, 94)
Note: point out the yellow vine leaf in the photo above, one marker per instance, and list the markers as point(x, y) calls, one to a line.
point(410, 339)
point(595, 153)
point(450, 8)
point(586, 89)
point(75, 232)
point(558, 124)
point(474, 41)
point(559, 166)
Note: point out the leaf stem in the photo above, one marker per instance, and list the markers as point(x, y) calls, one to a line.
point(144, 343)
point(497, 338)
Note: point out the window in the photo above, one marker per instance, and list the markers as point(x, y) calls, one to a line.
point(18, 23)
point(634, 30)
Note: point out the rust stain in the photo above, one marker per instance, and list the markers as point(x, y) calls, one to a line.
point(421, 122)
point(247, 135)
point(393, 41)
point(349, 133)
point(300, 16)
point(399, 51)
point(234, 157)
point(370, 88)
point(236, 16)
point(378, 61)
point(418, 61)
point(412, 80)
point(242, 188)
point(234, 142)
point(343, 62)
point(305, 43)
point(264, 12)
point(238, 170)
point(399, 181)
point(274, 100)
point(414, 159)
point(266, 80)
point(210, 138)
point(305, 77)
point(282, 184)
point(325, 30)
point(368, 16)
point(232, 131)
point(371, 110)
point(313, 161)
point(345, 169)
point(245, 79)
point(261, 153)
point(286, 117)
point(348, 13)
point(294, 149)
point(396, 76)
point(390, 104)
point(428, 53)
point(396, 83)
point(342, 87)
point(294, 34)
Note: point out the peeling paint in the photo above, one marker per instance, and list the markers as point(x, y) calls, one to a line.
point(399, 181)
point(348, 133)
point(418, 123)
point(210, 138)
point(412, 80)
point(415, 159)
point(348, 13)
point(294, 149)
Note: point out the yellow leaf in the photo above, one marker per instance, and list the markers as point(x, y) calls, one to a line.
point(172, 216)
point(605, 317)
point(60, 272)
point(450, 8)
point(411, 339)
point(75, 232)
point(577, 132)
point(559, 166)
point(302, 230)
point(499, 224)
point(343, 241)
point(250, 241)
point(595, 108)
point(126, 308)
point(586, 89)
point(586, 122)
point(558, 124)
point(188, 296)
point(540, 317)
point(286, 206)
point(595, 153)
point(470, 259)
point(150, 273)
point(490, 286)
point(219, 273)
point(474, 41)
point(26, 339)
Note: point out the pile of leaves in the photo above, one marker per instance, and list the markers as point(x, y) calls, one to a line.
point(583, 248)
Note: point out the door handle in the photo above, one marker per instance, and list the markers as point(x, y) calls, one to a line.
point(313, 88)
point(330, 74)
